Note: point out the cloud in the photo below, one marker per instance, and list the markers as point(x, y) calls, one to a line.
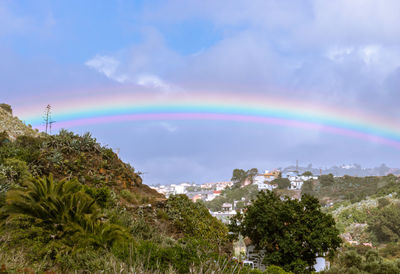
point(286, 48)
point(169, 127)
point(152, 81)
point(108, 66)
point(329, 52)
point(145, 64)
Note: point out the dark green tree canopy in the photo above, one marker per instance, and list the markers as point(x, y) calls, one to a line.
point(240, 175)
point(307, 173)
point(282, 183)
point(291, 233)
point(326, 180)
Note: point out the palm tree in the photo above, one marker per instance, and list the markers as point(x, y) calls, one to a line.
point(64, 210)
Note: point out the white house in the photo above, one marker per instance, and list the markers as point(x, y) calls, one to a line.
point(296, 184)
point(227, 207)
point(265, 185)
point(263, 181)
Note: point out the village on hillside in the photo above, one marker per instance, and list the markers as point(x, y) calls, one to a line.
point(209, 191)
point(243, 248)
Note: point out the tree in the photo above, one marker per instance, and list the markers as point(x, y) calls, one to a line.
point(251, 173)
point(283, 183)
point(195, 220)
point(240, 175)
point(63, 210)
point(308, 188)
point(384, 223)
point(307, 173)
point(326, 180)
point(289, 233)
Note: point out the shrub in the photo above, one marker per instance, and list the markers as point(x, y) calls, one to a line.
point(64, 211)
point(195, 220)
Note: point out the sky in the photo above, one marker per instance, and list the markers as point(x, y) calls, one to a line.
point(326, 53)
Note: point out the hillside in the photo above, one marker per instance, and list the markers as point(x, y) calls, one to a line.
point(329, 189)
point(12, 125)
point(69, 204)
point(67, 155)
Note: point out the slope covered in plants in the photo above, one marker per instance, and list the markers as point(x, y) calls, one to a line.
point(68, 204)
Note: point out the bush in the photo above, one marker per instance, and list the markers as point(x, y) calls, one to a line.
point(63, 211)
point(384, 223)
point(195, 220)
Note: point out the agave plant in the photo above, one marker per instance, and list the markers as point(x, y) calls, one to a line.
point(64, 210)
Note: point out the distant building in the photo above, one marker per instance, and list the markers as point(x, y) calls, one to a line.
point(196, 197)
point(179, 189)
point(263, 181)
point(296, 181)
point(216, 185)
point(227, 207)
point(224, 216)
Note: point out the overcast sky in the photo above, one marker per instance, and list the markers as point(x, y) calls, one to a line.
point(337, 52)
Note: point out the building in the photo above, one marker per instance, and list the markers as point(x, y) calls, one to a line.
point(268, 176)
point(263, 181)
point(212, 195)
point(297, 181)
point(227, 207)
point(216, 185)
point(196, 197)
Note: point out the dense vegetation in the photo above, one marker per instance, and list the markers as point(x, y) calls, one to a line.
point(361, 259)
point(230, 195)
point(68, 203)
point(331, 189)
point(239, 176)
point(289, 233)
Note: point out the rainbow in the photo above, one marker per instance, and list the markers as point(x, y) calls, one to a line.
point(248, 108)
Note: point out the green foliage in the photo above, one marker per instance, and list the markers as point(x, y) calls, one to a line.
point(230, 195)
point(308, 188)
point(12, 172)
point(384, 223)
point(4, 138)
point(239, 176)
point(64, 211)
point(291, 233)
point(67, 155)
point(382, 202)
point(307, 173)
point(353, 189)
point(283, 183)
point(101, 195)
point(93, 220)
point(326, 180)
point(354, 261)
point(273, 269)
point(391, 251)
point(195, 220)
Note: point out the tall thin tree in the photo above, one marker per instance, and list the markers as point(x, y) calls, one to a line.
point(47, 118)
